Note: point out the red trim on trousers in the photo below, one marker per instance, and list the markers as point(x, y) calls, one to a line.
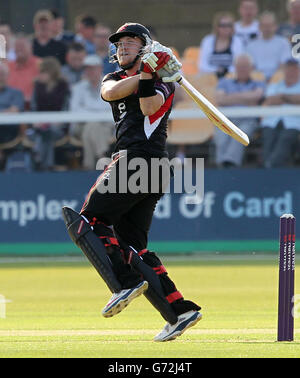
point(97, 181)
point(142, 252)
point(109, 241)
point(160, 269)
point(174, 296)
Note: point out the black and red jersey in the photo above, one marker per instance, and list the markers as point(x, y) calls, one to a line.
point(136, 132)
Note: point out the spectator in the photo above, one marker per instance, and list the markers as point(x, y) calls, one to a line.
point(241, 91)
point(51, 93)
point(104, 49)
point(218, 50)
point(58, 29)
point(281, 133)
point(11, 101)
point(96, 136)
point(247, 28)
point(73, 70)
point(292, 26)
point(85, 26)
point(269, 51)
point(43, 43)
point(24, 69)
point(5, 30)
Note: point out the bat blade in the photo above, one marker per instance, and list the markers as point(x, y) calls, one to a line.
point(216, 117)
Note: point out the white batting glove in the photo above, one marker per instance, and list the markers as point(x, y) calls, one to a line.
point(176, 77)
point(155, 57)
point(155, 47)
point(171, 71)
point(173, 64)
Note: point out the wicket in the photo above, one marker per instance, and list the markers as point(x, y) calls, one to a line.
point(285, 330)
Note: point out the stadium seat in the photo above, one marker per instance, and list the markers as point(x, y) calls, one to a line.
point(190, 60)
point(191, 52)
point(205, 84)
point(175, 52)
point(192, 131)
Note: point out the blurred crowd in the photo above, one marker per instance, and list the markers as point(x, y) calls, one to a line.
point(253, 61)
point(243, 62)
point(55, 70)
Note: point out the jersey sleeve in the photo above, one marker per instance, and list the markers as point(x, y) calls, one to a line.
point(165, 89)
point(110, 76)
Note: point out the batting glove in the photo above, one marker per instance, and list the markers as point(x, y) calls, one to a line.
point(172, 78)
point(171, 71)
point(154, 61)
point(155, 56)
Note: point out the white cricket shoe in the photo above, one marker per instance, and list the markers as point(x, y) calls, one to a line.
point(186, 320)
point(120, 300)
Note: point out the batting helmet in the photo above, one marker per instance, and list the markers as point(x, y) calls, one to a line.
point(132, 30)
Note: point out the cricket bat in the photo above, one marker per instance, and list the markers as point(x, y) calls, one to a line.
point(216, 117)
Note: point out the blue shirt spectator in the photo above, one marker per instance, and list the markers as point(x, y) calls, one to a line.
point(269, 51)
point(58, 28)
point(231, 86)
point(109, 67)
point(11, 101)
point(240, 91)
point(11, 98)
point(73, 69)
point(86, 32)
point(89, 46)
point(280, 92)
point(292, 26)
point(281, 133)
point(104, 48)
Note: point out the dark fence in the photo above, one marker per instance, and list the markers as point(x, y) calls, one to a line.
point(240, 212)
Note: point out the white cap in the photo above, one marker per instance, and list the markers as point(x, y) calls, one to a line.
point(287, 216)
point(92, 60)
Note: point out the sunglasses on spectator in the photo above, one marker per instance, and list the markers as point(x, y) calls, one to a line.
point(225, 25)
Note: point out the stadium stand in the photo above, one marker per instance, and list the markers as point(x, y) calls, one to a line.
point(190, 60)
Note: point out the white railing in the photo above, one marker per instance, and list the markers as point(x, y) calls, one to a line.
point(192, 113)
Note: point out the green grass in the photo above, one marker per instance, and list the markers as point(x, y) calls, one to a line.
point(56, 311)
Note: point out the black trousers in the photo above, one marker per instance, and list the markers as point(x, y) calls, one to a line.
point(279, 144)
point(129, 213)
point(123, 220)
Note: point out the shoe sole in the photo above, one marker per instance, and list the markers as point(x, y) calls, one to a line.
point(179, 333)
point(125, 302)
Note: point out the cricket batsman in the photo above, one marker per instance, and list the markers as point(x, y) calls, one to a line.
point(112, 228)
